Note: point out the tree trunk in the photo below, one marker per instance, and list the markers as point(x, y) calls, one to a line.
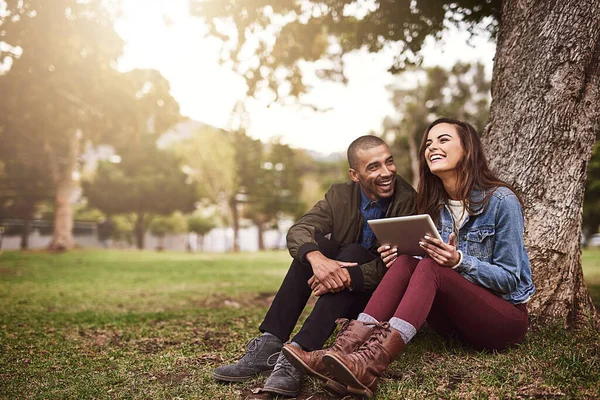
point(543, 121)
point(235, 219)
point(140, 231)
point(25, 232)
point(261, 239)
point(62, 237)
point(62, 173)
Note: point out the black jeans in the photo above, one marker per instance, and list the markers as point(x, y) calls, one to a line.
point(294, 293)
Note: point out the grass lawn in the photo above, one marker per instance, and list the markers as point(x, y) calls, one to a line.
point(145, 325)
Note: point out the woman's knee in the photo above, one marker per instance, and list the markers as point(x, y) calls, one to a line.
point(429, 267)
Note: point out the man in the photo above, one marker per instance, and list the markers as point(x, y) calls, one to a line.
point(343, 270)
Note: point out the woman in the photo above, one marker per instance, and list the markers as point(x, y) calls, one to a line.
point(474, 284)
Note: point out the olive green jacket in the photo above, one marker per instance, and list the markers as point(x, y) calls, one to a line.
point(339, 216)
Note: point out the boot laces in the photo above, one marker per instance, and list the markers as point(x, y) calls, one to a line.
point(379, 332)
point(344, 324)
point(252, 348)
point(272, 359)
point(285, 366)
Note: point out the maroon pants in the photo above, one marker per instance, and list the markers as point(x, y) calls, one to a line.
point(418, 290)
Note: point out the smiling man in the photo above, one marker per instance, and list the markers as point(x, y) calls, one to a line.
point(343, 270)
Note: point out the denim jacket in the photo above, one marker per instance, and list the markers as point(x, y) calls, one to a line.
point(491, 240)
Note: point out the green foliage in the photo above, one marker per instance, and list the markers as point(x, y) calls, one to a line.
point(123, 228)
point(84, 213)
point(270, 179)
point(209, 155)
point(24, 183)
point(147, 180)
point(165, 225)
point(64, 83)
point(284, 34)
point(200, 224)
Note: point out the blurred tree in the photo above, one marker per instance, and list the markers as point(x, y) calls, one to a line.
point(544, 90)
point(591, 200)
point(164, 225)
point(201, 225)
point(462, 92)
point(123, 229)
point(210, 159)
point(274, 187)
point(65, 88)
point(147, 181)
point(23, 185)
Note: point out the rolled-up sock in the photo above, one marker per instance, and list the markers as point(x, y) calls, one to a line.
point(366, 318)
point(407, 331)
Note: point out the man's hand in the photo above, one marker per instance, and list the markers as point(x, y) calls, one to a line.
point(329, 272)
point(319, 289)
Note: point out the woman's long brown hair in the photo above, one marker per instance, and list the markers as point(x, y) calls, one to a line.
point(472, 172)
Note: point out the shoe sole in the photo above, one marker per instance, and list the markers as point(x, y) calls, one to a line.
point(281, 392)
point(342, 374)
point(300, 365)
point(239, 379)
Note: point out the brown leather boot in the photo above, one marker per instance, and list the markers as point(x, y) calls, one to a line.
point(350, 336)
point(360, 371)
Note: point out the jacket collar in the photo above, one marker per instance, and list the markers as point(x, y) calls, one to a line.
point(477, 196)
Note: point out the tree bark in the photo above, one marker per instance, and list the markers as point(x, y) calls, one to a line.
point(62, 173)
point(543, 120)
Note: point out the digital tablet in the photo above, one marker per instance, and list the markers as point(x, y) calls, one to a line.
point(404, 232)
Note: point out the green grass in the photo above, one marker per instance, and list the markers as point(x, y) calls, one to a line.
point(144, 325)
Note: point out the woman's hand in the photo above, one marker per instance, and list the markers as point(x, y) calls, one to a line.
point(444, 254)
point(388, 254)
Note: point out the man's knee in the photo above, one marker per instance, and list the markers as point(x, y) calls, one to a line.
point(355, 253)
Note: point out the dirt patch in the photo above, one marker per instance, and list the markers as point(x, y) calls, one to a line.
point(172, 379)
point(153, 345)
point(263, 299)
point(10, 271)
point(215, 339)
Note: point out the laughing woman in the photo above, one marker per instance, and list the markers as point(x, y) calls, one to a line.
point(473, 285)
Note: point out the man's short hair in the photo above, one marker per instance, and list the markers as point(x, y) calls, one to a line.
point(362, 143)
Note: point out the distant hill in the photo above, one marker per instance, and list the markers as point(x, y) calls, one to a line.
point(186, 128)
point(331, 157)
point(183, 130)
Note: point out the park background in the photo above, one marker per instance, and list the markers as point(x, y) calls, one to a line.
point(203, 129)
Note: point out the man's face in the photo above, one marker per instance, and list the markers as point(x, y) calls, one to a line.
point(376, 172)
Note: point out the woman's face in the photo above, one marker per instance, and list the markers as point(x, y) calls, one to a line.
point(443, 149)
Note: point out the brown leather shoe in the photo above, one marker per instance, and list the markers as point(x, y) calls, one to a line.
point(350, 336)
point(360, 371)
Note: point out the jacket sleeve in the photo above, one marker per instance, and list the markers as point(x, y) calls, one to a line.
point(301, 236)
point(370, 274)
point(366, 277)
point(503, 273)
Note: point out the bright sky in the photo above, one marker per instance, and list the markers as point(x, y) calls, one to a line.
point(207, 92)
